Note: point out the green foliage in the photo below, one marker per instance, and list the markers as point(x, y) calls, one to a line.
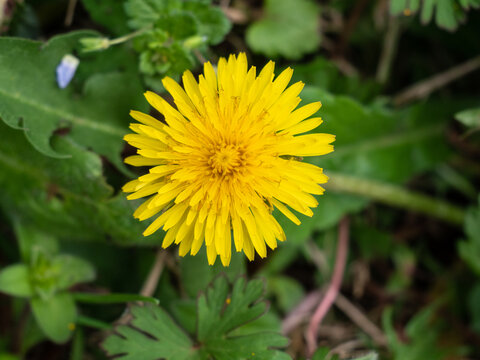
point(423, 337)
point(469, 249)
point(290, 28)
point(64, 197)
point(170, 31)
point(372, 143)
point(469, 117)
point(109, 13)
point(44, 278)
point(56, 315)
point(474, 307)
point(97, 119)
point(15, 281)
point(448, 13)
point(221, 310)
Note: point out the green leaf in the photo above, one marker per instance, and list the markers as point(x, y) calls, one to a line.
point(73, 270)
point(448, 13)
point(469, 118)
point(290, 28)
point(197, 274)
point(109, 13)
point(474, 308)
point(56, 316)
point(469, 249)
point(31, 241)
point(220, 311)
point(212, 22)
point(31, 99)
point(371, 143)
point(66, 198)
point(287, 291)
point(423, 334)
point(159, 338)
point(15, 281)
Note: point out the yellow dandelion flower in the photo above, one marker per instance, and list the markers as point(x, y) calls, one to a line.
point(225, 157)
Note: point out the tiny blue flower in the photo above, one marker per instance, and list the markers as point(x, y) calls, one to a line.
point(66, 70)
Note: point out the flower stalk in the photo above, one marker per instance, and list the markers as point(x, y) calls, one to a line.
point(396, 196)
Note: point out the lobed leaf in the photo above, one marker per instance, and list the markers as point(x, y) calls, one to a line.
point(31, 100)
point(154, 335)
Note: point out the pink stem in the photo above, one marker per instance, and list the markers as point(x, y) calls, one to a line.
point(333, 288)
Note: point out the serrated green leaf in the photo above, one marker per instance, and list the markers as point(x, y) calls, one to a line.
point(67, 198)
point(56, 316)
point(219, 311)
point(15, 281)
point(290, 28)
point(31, 99)
point(423, 334)
point(165, 341)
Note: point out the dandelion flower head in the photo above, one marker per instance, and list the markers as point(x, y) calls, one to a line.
point(225, 157)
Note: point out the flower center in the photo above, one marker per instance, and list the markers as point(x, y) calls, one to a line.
point(225, 159)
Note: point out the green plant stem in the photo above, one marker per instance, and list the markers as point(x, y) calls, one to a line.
point(92, 323)
point(396, 196)
point(127, 37)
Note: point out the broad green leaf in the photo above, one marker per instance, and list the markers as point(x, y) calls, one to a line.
point(469, 249)
point(109, 13)
point(220, 311)
point(72, 270)
point(56, 316)
point(67, 198)
point(324, 74)
point(32, 101)
point(290, 28)
point(15, 281)
point(470, 117)
point(371, 143)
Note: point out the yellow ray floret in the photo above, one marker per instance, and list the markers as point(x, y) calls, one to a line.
point(225, 157)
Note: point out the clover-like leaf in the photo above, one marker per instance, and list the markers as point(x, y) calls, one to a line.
point(290, 28)
point(154, 335)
